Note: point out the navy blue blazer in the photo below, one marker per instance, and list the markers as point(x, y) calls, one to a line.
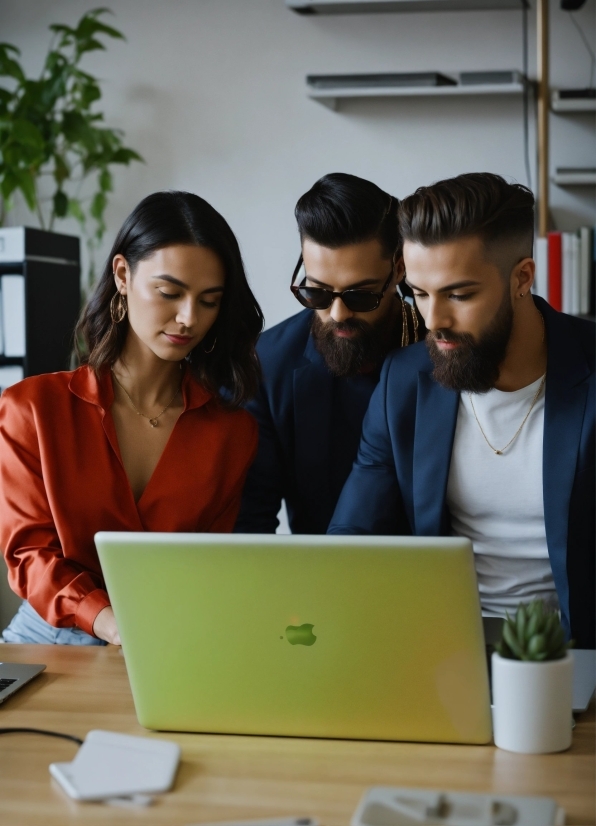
point(403, 462)
point(309, 431)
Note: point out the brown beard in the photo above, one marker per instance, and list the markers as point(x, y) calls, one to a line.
point(474, 366)
point(366, 349)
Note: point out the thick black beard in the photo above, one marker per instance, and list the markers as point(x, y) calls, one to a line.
point(474, 366)
point(347, 357)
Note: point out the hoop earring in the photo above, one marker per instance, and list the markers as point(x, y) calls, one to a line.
point(118, 308)
point(212, 348)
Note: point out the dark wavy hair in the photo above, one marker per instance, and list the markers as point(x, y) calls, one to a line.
point(477, 203)
point(231, 371)
point(342, 209)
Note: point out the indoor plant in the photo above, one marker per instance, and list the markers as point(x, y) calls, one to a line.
point(532, 681)
point(54, 148)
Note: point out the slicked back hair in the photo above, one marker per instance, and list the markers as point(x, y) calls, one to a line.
point(476, 204)
point(342, 209)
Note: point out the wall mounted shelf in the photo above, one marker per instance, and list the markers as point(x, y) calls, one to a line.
point(574, 179)
point(396, 6)
point(331, 97)
point(563, 105)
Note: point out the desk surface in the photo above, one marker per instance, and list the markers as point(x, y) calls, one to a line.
point(225, 778)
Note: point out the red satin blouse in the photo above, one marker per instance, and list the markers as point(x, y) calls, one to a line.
point(62, 480)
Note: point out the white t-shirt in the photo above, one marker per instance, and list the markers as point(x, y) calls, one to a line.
point(497, 501)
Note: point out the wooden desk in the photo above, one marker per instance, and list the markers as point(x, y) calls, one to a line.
point(225, 778)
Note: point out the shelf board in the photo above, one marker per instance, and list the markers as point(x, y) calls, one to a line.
point(331, 97)
point(574, 179)
point(573, 104)
point(396, 6)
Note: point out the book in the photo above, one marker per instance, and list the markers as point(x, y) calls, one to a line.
point(555, 296)
point(585, 268)
point(540, 286)
point(13, 314)
point(570, 273)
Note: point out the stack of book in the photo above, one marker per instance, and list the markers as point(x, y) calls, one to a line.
point(565, 270)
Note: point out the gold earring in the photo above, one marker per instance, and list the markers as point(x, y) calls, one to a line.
point(414, 322)
point(212, 348)
point(118, 308)
point(405, 332)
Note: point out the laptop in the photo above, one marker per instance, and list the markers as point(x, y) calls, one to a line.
point(14, 676)
point(316, 636)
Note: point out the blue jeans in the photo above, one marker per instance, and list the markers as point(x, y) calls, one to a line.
point(28, 626)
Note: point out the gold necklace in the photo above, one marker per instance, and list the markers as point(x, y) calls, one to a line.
point(495, 450)
point(152, 419)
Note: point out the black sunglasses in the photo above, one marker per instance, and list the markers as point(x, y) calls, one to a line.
point(318, 298)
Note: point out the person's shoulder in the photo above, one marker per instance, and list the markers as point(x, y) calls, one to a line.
point(38, 389)
point(285, 342)
point(585, 329)
point(565, 326)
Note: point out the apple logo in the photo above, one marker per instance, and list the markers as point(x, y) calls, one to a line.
point(301, 634)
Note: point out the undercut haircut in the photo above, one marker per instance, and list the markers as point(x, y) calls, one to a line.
point(342, 209)
point(476, 204)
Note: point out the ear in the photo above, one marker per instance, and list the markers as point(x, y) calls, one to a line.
point(121, 273)
point(522, 278)
point(399, 270)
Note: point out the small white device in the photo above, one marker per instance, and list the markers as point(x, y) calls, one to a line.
point(110, 765)
point(386, 806)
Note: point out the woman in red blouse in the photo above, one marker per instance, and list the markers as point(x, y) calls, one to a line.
point(148, 434)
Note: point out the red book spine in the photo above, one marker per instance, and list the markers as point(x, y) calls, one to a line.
point(555, 280)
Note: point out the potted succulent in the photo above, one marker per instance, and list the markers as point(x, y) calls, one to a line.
point(532, 681)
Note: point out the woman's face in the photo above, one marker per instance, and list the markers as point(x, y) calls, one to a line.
point(173, 298)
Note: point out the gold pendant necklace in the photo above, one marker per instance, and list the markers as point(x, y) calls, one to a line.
point(152, 419)
point(495, 450)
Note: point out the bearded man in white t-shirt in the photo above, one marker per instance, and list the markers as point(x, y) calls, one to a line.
point(486, 430)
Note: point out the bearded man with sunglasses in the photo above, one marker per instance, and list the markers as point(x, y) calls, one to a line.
point(321, 366)
point(487, 429)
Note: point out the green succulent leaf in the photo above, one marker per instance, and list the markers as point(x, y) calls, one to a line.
point(536, 646)
point(520, 622)
point(512, 641)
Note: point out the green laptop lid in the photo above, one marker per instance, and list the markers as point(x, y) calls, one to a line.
point(376, 637)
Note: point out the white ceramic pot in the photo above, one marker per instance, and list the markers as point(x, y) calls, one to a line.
point(532, 704)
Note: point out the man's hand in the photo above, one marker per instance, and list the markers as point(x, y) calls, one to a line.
point(105, 626)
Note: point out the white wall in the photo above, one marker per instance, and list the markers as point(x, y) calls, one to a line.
point(211, 92)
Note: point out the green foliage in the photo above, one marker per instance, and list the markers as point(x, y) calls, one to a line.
point(534, 634)
point(50, 128)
